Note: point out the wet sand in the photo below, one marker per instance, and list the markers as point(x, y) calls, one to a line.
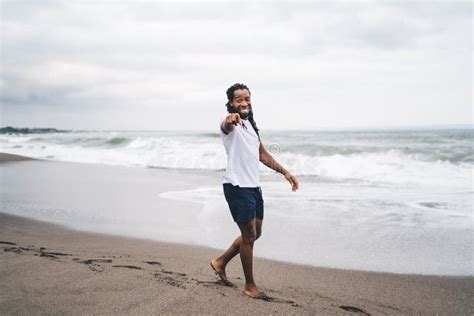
point(12, 157)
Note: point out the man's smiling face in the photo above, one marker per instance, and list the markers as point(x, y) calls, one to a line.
point(241, 102)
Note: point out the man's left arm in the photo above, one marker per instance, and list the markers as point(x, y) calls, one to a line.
point(270, 162)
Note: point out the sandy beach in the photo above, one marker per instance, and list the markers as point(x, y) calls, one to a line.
point(48, 268)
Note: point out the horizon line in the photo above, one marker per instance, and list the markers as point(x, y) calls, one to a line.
point(380, 127)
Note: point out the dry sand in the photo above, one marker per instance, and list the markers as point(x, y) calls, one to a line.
point(49, 269)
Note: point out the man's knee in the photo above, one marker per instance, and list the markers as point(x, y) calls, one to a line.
point(259, 233)
point(249, 237)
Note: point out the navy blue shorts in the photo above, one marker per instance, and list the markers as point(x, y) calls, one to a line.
point(245, 204)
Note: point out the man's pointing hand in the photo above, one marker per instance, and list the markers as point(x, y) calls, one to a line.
point(234, 118)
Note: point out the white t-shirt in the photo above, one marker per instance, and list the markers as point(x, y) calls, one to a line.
point(243, 158)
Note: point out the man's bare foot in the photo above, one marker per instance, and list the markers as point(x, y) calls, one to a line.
point(254, 292)
point(220, 272)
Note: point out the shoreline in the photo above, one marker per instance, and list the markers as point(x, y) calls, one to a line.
point(56, 265)
point(4, 157)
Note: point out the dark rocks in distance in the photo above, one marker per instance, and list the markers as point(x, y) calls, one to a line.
point(26, 130)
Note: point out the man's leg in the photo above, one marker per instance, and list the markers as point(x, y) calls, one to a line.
point(249, 235)
point(221, 262)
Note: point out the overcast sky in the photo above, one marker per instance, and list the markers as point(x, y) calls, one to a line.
point(147, 65)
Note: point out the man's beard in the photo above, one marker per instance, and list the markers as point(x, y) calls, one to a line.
point(245, 115)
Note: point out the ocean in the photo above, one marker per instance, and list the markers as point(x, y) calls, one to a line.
point(398, 200)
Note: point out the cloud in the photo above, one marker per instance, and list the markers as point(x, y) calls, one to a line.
point(344, 63)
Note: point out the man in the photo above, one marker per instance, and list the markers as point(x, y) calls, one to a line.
point(241, 183)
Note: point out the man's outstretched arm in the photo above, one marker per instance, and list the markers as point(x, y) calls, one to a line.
point(271, 163)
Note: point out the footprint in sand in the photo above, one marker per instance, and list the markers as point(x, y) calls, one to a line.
point(12, 249)
point(354, 309)
point(127, 266)
point(92, 263)
point(28, 248)
point(7, 242)
point(172, 272)
point(170, 280)
point(42, 253)
point(153, 262)
point(52, 254)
